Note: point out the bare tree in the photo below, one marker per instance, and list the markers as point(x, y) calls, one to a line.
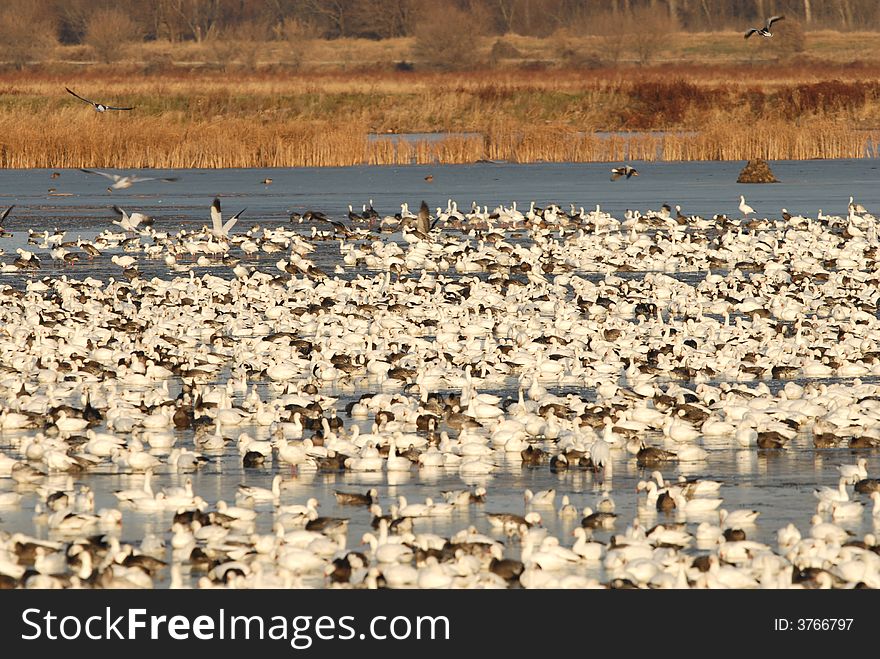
point(808, 12)
point(109, 32)
point(443, 37)
point(845, 9)
point(199, 18)
point(26, 33)
point(334, 13)
point(507, 11)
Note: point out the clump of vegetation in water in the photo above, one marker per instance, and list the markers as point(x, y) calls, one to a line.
point(757, 171)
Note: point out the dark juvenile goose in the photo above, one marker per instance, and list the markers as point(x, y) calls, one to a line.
point(864, 441)
point(511, 519)
point(532, 456)
point(771, 440)
point(734, 535)
point(328, 525)
point(651, 456)
point(508, 569)
point(868, 485)
point(665, 502)
point(356, 498)
point(598, 520)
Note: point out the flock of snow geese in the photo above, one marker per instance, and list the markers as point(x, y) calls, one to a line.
point(423, 314)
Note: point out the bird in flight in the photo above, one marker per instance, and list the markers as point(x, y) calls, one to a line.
point(122, 182)
point(5, 213)
point(3, 216)
point(626, 170)
point(99, 107)
point(131, 222)
point(218, 228)
point(338, 227)
point(764, 31)
point(424, 224)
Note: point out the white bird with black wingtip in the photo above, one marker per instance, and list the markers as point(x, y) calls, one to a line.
point(764, 31)
point(626, 171)
point(131, 222)
point(122, 182)
point(218, 228)
point(99, 107)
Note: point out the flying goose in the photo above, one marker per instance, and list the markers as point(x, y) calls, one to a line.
point(219, 229)
point(764, 31)
point(626, 170)
point(338, 227)
point(131, 222)
point(123, 182)
point(423, 221)
point(5, 213)
point(99, 107)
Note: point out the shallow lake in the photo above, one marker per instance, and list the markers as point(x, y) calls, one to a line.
point(778, 484)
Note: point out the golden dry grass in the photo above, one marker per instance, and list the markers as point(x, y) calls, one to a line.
point(276, 118)
point(688, 48)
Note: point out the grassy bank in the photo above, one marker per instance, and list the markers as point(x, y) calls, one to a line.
point(276, 118)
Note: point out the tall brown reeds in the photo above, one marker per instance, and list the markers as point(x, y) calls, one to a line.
point(153, 142)
point(280, 120)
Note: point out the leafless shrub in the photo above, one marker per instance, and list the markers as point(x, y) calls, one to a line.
point(638, 34)
point(26, 34)
point(648, 28)
point(789, 38)
point(109, 32)
point(295, 36)
point(444, 37)
point(503, 50)
point(240, 45)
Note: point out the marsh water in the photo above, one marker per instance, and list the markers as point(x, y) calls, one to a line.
point(779, 484)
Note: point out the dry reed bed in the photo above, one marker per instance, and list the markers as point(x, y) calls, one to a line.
point(122, 81)
point(152, 142)
point(269, 120)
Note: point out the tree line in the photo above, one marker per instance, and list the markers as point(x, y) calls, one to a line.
point(198, 20)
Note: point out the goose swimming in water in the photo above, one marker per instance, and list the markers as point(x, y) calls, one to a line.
point(540, 498)
point(261, 494)
point(356, 498)
point(854, 473)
